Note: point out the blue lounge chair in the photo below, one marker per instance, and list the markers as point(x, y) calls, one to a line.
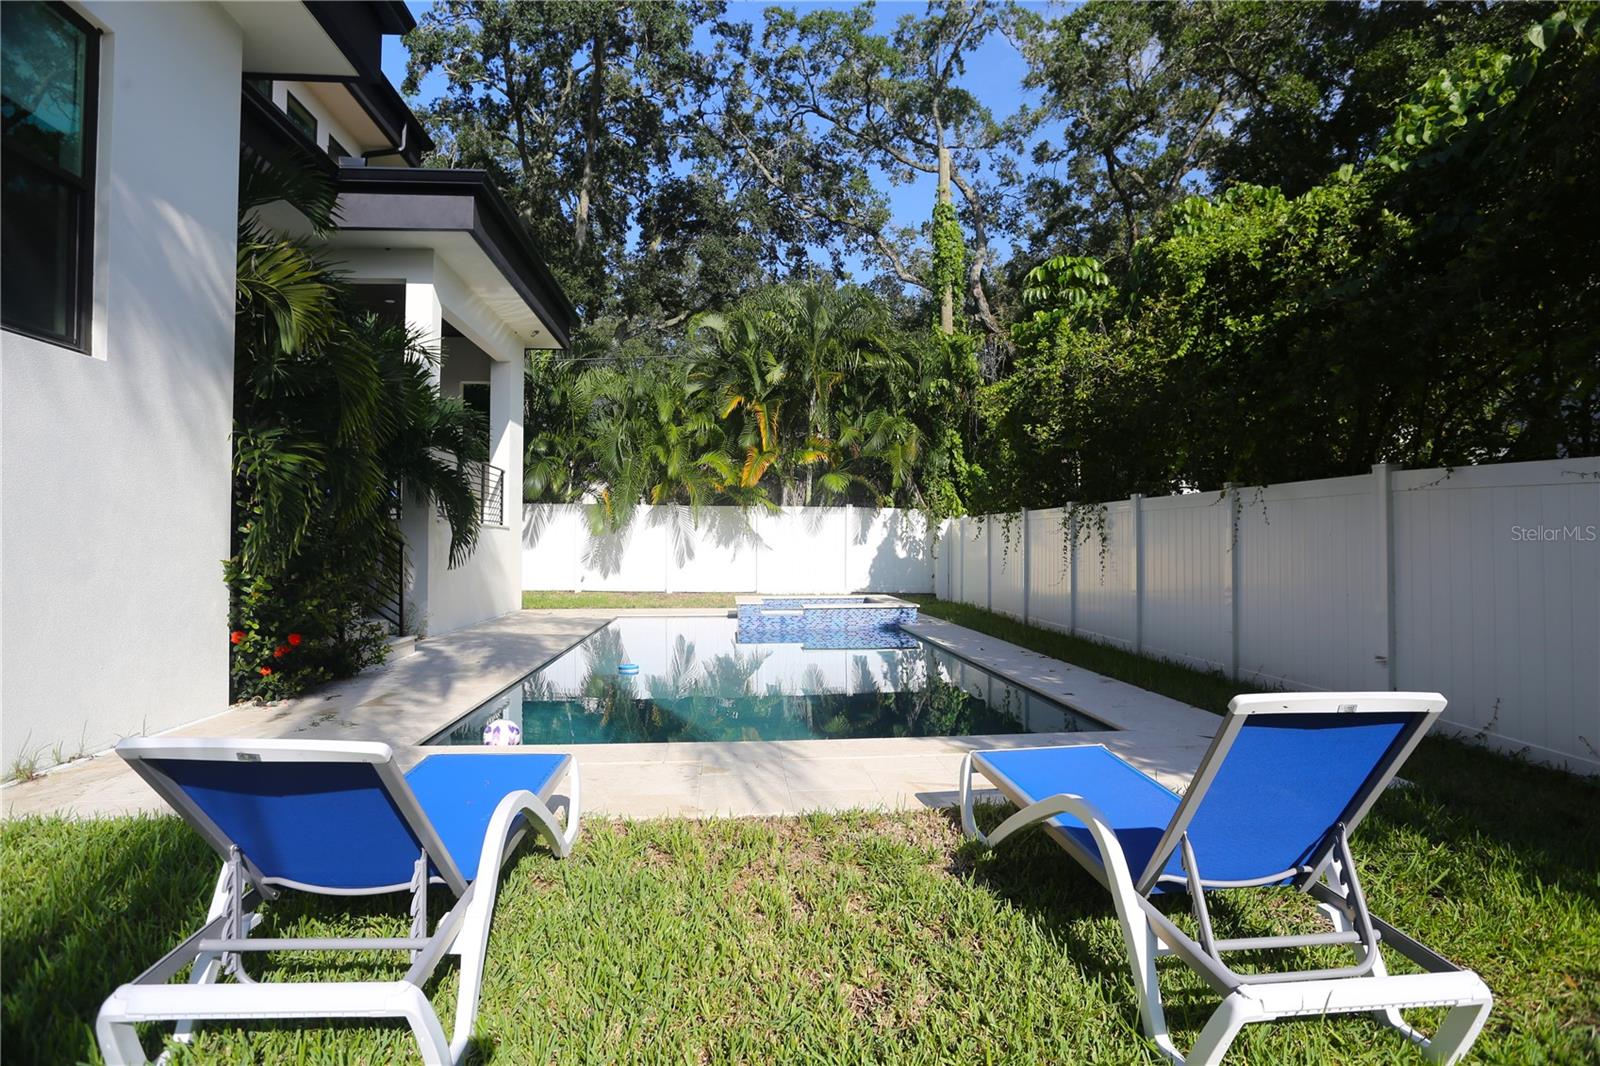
point(1285, 782)
point(336, 819)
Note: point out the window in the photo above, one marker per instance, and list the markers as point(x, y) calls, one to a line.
point(49, 59)
point(261, 85)
point(335, 149)
point(475, 395)
point(303, 118)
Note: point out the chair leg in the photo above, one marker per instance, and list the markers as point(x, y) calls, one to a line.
point(1389, 1016)
point(419, 1014)
point(1142, 950)
point(1456, 1034)
point(1236, 1012)
point(1138, 937)
point(119, 1039)
point(472, 941)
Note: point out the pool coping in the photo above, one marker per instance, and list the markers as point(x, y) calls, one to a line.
point(447, 676)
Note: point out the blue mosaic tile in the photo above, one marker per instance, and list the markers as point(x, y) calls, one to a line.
point(796, 620)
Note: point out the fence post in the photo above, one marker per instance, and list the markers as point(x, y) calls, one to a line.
point(1383, 487)
point(1072, 572)
point(1230, 592)
point(1137, 512)
point(959, 589)
point(848, 585)
point(988, 565)
point(580, 530)
point(1025, 604)
point(666, 558)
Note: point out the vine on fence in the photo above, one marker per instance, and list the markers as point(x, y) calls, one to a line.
point(1075, 532)
point(1259, 498)
point(1008, 523)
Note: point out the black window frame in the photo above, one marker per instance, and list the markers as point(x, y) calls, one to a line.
point(290, 103)
point(82, 316)
point(337, 150)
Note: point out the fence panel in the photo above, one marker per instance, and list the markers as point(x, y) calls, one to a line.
point(1308, 586)
point(803, 550)
point(1105, 578)
point(1049, 570)
point(1007, 585)
point(1481, 582)
point(1497, 600)
point(889, 550)
point(724, 549)
point(1187, 589)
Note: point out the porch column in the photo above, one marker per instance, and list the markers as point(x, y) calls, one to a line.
point(505, 432)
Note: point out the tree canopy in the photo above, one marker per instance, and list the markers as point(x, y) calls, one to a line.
point(1198, 241)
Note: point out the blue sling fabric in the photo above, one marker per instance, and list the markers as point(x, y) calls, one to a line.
point(324, 824)
point(1282, 785)
point(460, 792)
point(1136, 807)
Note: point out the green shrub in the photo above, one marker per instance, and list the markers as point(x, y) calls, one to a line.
point(297, 629)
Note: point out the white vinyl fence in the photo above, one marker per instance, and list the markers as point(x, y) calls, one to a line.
point(725, 549)
point(1480, 582)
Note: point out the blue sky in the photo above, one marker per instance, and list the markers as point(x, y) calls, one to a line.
point(994, 74)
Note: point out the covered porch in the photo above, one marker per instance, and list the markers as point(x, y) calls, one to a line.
point(441, 252)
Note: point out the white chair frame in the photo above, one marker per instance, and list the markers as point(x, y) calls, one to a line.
point(218, 948)
point(1148, 934)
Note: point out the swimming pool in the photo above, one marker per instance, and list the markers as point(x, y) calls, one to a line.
point(696, 681)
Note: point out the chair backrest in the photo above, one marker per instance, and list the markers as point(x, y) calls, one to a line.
point(322, 816)
point(1282, 771)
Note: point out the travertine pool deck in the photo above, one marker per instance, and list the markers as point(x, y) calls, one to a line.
point(413, 697)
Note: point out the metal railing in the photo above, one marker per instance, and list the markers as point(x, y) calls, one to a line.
point(388, 602)
point(489, 489)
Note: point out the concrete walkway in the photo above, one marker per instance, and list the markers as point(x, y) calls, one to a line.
point(412, 698)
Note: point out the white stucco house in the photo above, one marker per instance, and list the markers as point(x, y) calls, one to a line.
point(122, 131)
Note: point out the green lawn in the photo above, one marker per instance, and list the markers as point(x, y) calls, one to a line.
point(1212, 691)
point(848, 938)
point(544, 600)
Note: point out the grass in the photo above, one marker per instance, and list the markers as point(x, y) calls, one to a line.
point(1208, 690)
point(836, 938)
point(843, 938)
point(544, 600)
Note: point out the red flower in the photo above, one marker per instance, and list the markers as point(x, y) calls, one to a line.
point(264, 671)
point(280, 651)
point(237, 636)
point(295, 639)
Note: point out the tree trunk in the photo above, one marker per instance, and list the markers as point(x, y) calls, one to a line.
point(947, 297)
point(591, 135)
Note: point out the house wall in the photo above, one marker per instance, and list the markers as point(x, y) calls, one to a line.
point(114, 466)
point(1481, 582)
point(488, 583)
point(326, 123)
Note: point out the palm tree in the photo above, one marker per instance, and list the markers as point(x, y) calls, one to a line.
point(652, 441)
point(336, 420)
point(739, 366)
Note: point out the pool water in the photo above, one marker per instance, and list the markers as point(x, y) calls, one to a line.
point(696, 681)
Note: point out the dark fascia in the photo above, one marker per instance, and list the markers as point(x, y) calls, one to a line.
point(388, 110)
point(265, 125)
point(422, 198)
point(359, 28)
point(267, 131)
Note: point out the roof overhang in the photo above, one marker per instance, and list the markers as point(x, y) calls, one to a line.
point(460, 216)
point(289, 40)
point(317, 40)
